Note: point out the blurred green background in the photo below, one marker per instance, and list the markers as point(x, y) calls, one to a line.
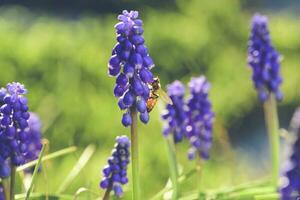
point(62, 58)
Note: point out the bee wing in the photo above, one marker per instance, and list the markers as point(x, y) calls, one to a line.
point(165, 97)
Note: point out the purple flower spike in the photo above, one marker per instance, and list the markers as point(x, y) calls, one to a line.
point(200, 118)
point(290, 182)
point(34, 138)
point(115, 173)
point(20, 130)
point(264, 60)
point(130, 63)
point(3, 92)
point(14, 117)
point(176, 115)
point(16, 88)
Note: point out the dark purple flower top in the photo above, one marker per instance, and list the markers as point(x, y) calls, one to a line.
point(131, 64)
point(201, 116)
point(290, 181)
point(264, 60)
point(176, 114)
point(115, 173)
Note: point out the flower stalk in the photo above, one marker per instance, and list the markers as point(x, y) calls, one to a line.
point(199, 175)
point(12, 182)
point(135, 156)
point(107, 192)
point(6, 187)
point(271, 119)
point(173, 167)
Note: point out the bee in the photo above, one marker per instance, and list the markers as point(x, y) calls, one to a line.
point(155, 93)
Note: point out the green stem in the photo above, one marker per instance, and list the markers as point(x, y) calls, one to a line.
point(271, 118)
point(249, 193)
point(12, 182)
point(199, 174)
point(107, 192)
point(135, 156)
point(6, 183)
point(271, 196)
point(173, 166)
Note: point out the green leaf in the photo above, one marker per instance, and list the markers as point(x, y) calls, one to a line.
point(48, 157)
point(82, 161)
point(41, 196)
point(34, 175)
point(84, 190)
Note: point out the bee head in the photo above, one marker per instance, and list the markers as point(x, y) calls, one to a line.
point(156, 83)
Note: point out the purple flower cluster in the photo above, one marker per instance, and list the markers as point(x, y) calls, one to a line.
point(131, 64)
point(13, 127)
point(264, 60)
point(192, 119)
point(34, 138)
point(291, 179)
point(200, 114)
point(176, 115)
point(115, 173)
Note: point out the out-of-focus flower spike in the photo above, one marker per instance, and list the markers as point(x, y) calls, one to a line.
point(200, 118)
point(264, 60)
point(290, 180)
point(176, 114)
point(34, 138)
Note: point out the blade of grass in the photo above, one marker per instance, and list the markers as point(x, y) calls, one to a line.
point(173, 166)
point(271, 196)
point(251, 192)
point(180, 180)
point(82, 161)
point(48, 157)
point(44, 196)
point(34, 175)
point(84, 190)
point(243, 186)
point(193, 196)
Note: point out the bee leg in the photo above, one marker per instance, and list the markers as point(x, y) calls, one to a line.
point(155, 95)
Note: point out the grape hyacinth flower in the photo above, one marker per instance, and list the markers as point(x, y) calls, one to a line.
point(115, 173)
point(291, 178)
point(264, 60)
point(176, 115)
point(13, 128)
point(3, 92)
point(34, 139)
point(131, 64)
point(201, 116)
